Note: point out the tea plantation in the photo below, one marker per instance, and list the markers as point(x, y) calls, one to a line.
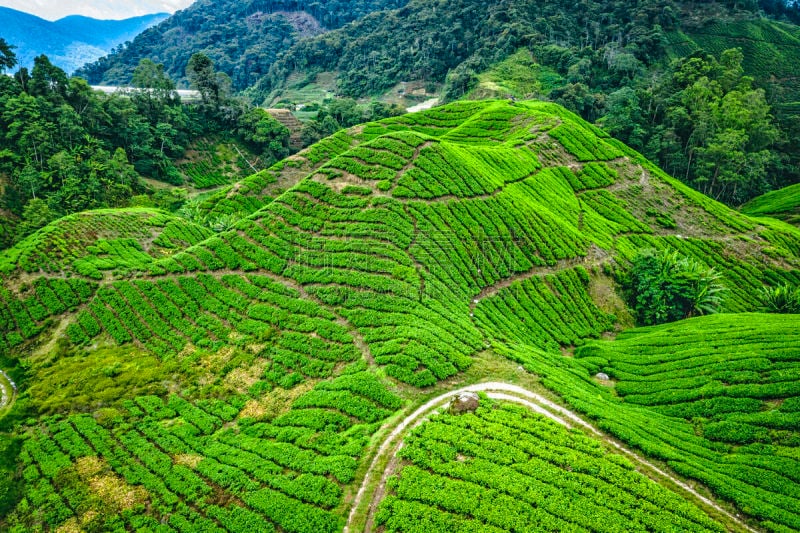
point(174, 378)
point(783, 204)
point(506, 469)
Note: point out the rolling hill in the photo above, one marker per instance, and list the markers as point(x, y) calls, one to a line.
point(70, 42)
point(252, 379)
point(783, 204)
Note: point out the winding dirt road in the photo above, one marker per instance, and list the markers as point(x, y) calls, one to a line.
point(504, 392)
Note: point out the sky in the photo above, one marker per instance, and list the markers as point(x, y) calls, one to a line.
point(100, 9)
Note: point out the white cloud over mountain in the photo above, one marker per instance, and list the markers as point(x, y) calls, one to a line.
point(101, 9)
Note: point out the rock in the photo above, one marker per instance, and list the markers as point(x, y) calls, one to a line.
point(465, 402)
point(603, 376)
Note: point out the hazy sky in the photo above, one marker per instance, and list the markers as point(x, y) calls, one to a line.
point(101, 9)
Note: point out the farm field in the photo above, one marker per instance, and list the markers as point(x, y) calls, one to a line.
point(770, 49)
point(505, 468)
point(783, 204)
point(175, 378)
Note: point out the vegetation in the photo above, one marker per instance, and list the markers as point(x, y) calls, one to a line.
point(781, 299)
point(174, 377)
point(666, 287)
point(505, 468)
point(783, 203)
point(241, 38)
point(706, 93)
point(66, 148)
point(713, 397)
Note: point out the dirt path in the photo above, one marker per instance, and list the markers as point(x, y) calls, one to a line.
point(8, 390)
point(595, 254)
point(427, 104)
point(505, 392)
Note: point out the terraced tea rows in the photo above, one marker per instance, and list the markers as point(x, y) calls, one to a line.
point(783, 203)
point(176, 465)
point(507, 469)
point(532, 311)
point(98, 240)
point(727, 373)
point(409, 246)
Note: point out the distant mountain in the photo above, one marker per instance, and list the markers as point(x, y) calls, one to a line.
point(69, 42)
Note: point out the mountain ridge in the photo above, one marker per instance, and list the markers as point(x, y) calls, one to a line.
point(71, 41)
point(242, 38)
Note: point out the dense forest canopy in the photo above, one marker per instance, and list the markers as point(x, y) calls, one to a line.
point(242, 38)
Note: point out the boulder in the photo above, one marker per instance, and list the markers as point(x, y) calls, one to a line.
point(603, 376)
point(465, 402)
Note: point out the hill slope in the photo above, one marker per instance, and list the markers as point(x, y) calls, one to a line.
point(243, 380)
point(242, 38)
point(783, 204)
point(70, 42)
point(418, 42)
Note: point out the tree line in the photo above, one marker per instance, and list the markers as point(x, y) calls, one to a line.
point(700, 117)
point(65, 148)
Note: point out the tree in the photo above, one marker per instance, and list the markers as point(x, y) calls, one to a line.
point(48, 80)
point(37, 214)
point(264, 134)
point(27, 130)
point(624, 119)
point(8, 59)
point(666, 286)
point(213, 86)
point(30, 180)
point(155, 90)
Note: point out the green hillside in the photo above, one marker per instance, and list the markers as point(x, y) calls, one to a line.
point(714, 397)
point(771, 49)
point(504, 468)
point(245, 380)
point(242, 38)
point(783, 204)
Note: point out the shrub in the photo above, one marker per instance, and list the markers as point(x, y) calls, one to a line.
point(781, 299)
point(667, 286)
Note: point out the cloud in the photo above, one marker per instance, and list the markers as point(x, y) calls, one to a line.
point(101, 9)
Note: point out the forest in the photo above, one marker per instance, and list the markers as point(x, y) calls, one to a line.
point(242, 38)
point(66, 148)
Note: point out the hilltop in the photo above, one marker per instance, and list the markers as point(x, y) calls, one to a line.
point(252, 378)
point(72, 41)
